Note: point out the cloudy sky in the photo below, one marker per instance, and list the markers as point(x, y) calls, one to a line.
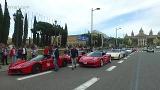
point(126, 14)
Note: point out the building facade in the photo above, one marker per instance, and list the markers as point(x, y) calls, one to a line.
point(142, 39)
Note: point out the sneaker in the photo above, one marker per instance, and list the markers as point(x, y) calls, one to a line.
point(72, 68)
point(55, 70)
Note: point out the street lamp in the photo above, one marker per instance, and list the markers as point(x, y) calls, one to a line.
point(116, 35)
point(92, 21)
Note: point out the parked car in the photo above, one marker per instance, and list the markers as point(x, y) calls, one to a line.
point(80, 54)
point(95, 59)
point(150, 49)
point(116, 53)
point(35, 65)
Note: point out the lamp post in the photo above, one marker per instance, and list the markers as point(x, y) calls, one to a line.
point(92, 21)
point(116, 35)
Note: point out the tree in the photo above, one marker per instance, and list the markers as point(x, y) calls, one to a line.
point(25, 32)
point(64, 35)
point(34, 30)
point(156, 41)
point(129, 42)
point(45, 30)
point(89, 39)
point(18, 28)
point(6, 24)
point(1, 20)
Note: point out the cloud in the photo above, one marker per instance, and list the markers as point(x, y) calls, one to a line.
point(129, 14)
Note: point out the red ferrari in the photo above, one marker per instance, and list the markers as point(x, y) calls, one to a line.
point(95, 59)
point(68, 57)
point(35, 65)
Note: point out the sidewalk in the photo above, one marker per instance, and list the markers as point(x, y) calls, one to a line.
point(3, 68)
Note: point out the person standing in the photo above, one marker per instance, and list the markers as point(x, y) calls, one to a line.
point(24, 53)
point(19, 53)
point(13, 54)
point(0, 53)
point(74, 55)
point(34, 51)
point(46, 52)
point(56, 58)
point(5, 55)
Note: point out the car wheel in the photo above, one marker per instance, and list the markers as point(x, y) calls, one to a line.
point(101, 63)
point(36, 68)
point(64, 63)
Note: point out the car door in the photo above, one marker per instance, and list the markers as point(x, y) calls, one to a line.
point(105, 58)
point(47, 63)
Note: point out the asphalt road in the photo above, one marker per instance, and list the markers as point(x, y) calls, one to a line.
point(138, 71)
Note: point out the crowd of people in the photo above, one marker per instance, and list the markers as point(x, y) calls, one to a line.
point(21, 53)
point(13, 54)
point(54, 51)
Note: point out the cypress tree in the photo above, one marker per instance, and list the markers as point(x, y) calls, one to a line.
point(18, 28)
point(34, 30)
point(1, 20)
point(6, 24)
point(38, 38)
point(64, 36)
point(25, 32)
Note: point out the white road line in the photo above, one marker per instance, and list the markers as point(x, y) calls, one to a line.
point(111, 68)
point(121, 61)
point(128, 56)
point(87, 84)
point(71, 65)
point(125, 58)
point(31, 76)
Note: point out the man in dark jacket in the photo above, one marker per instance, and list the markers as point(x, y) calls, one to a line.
point(74, 55)
point(56, 58)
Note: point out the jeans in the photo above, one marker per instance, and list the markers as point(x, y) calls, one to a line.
point(74, 62)
point(56, 64)
point(4, 59)
point(14, 59)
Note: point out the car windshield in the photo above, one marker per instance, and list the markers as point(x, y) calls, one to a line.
point(115, 50)
point(150, 47)
point(95, 54)
point(37, 58)
point(80, 52)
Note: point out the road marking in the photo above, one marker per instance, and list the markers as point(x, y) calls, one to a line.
point(87, 84)
point(31, 76)
point(125, 58)
point(111, 68)
point(71, 65)
point(128, 56)
point(121, 61)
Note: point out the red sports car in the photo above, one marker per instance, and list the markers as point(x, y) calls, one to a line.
point(80, 54)
point(96, 59)
point(35, 65)
point(66, 57)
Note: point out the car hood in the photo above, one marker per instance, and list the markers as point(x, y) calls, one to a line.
point(88, 58)
point(113, 53)
point(21, 64)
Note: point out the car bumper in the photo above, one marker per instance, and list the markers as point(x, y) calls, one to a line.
point(19, 71)
point(90, 64)
point(115, 58)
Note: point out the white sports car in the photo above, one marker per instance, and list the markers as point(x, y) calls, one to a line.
point(116, 53)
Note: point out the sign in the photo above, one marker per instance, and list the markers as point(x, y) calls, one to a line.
point(83, 38)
